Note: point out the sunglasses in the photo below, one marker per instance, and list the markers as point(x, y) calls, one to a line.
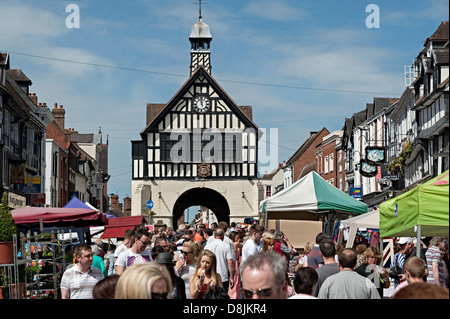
point(159, 296)
point(186, 252)
point(262, 293)
point(145, 243)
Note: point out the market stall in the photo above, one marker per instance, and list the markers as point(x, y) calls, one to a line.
point(370, 220)
point(312, 193)
point(299, 206)
point(423, 209)
point(117, 226)
point(76, 203)
point(77, 219)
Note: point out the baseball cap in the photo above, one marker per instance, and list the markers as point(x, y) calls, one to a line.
point(404, 240)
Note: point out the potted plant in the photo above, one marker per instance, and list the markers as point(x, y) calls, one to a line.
point(7, 230)
point(151, 214)
point(4, 289)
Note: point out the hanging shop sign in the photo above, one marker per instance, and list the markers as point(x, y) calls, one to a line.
point(367, 169)
point(16, 201)
point(375, 155)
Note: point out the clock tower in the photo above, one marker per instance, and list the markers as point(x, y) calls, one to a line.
point(198, 149)
point(200, 39)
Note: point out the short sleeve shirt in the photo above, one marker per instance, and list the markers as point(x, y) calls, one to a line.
point(128, 258)
point(249, 249)
point(79, 284)
point(433, 255)
point(119, 250)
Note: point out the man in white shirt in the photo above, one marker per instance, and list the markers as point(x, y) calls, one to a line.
point(224, 256)
point(79, 280)
point(251, 246)
point(126, 244)
point(138, 253)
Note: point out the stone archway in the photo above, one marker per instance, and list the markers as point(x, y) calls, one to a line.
point(202, 197)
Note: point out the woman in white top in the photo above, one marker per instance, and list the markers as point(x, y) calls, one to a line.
point(187, 263)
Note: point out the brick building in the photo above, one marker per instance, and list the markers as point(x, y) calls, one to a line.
point(304, 159)
point(330, 164)
point(80, 162)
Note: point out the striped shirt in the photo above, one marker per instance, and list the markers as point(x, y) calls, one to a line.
point(433, 255)
point(79, 284)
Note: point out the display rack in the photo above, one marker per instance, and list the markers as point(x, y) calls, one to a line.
point(46, 262)
point(11, 272)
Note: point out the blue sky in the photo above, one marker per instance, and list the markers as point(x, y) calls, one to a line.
point(302, 65)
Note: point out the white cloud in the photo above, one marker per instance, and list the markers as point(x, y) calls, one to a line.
point(18, 20)
point(339, 60)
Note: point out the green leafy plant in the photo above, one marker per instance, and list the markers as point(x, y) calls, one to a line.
point(397, 164)
point(3, 278)
point(33, 269)
point(7, 225)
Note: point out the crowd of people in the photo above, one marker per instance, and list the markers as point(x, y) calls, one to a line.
point(240, 262)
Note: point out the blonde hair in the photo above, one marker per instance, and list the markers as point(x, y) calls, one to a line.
point(193, 246)
point(371, 251)
point(308, 247)
point(213, 269)
point(136, 281)
point(267, 235)
point(268, 241)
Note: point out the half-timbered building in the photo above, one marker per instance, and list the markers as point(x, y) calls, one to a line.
point(200, 148)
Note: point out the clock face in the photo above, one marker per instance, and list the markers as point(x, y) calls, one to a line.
point(201, 103)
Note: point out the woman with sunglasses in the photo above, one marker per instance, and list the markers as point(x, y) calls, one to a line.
point(205, 277)
point(186, 265)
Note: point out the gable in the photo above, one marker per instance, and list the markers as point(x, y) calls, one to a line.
point(178, 113)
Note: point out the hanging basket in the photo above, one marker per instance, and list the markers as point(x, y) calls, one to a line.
point(6, 252)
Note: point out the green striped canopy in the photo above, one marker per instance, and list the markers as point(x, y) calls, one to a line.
point(312, 193)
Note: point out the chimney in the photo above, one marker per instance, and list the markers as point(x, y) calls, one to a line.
point(33, 97)
point(114, 201)
point(127, 206)
point(59, 115)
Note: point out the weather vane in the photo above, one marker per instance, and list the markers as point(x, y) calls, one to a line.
point(200, 8)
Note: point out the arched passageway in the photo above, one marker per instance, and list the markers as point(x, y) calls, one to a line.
point(202, 197)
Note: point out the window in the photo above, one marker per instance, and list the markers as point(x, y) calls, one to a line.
point(331, 162)
point(212, 147)
point(138, 149)
point(268, 191)
point(326, 165)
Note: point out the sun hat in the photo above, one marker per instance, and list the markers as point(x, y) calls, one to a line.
point(164, 258)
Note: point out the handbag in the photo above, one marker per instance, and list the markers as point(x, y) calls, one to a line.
point(218, 293)
point(395, 271)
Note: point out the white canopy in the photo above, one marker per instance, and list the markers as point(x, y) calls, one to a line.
point(368, 220)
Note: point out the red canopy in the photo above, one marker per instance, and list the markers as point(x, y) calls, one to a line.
point(31, 215)
point(117, 226)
